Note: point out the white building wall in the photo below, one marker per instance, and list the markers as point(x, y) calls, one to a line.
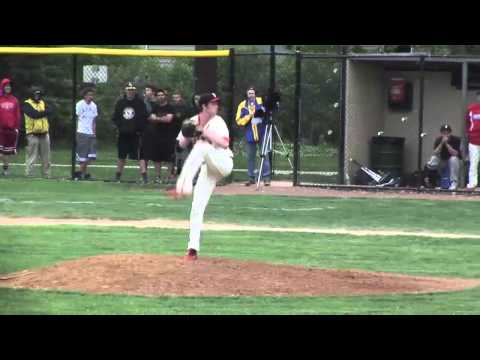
point(442, 105)
point(364, 112)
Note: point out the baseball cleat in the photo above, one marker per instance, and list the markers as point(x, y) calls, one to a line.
point(191, 255)
point(173, 194)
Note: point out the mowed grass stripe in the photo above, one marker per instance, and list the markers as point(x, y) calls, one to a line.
point(32, 247)
point(178, 224)
point(59, 303)
point(96, 200)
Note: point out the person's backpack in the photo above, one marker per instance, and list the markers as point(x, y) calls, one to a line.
point(415, 180)
point(432, 176)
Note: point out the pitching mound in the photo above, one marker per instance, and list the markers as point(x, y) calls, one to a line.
point(155, 275)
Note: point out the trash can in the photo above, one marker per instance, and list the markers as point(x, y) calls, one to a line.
point(386, 155)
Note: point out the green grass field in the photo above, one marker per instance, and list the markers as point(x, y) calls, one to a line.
point(25, 247)
point(314, 158)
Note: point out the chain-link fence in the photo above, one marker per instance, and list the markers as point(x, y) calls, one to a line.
point(63, 79)
point(255, 70)
point(320, 120)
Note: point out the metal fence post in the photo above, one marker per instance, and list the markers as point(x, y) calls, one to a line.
point(231, 89)
point(464, 94)
point(273, 85)
point(420, 114)
point(298, 102)
point(74, 122)
point(343, 112)
point(231, 110)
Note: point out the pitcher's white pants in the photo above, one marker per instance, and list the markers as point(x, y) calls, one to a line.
point(214, 164)
point(474, 153)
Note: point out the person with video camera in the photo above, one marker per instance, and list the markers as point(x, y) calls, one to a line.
point(251, 116)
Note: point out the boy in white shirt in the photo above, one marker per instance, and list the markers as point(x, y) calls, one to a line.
point(87, 112)
point(212, 155)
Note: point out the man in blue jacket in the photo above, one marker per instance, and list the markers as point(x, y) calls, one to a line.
point(250, 115)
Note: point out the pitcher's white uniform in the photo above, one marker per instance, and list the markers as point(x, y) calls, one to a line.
point(214, 163)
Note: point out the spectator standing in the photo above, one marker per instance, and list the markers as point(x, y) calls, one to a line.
point(10, 115)
point(36, 113)
point(149, 98)
point(87, 113)
point(195, 106)
point(160, 146)
point(250, 115)
point(129, 117)
point(149, 129)
point(182, 112)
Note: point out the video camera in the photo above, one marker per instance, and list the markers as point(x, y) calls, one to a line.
point(272, 101)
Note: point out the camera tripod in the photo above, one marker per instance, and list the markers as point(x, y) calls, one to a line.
point(267, 146)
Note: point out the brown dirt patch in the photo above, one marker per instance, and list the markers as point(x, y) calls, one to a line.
point(159, 275)
point(283, 188)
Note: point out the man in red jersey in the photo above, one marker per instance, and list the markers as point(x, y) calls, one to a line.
point(473, 132)
point(10, 115)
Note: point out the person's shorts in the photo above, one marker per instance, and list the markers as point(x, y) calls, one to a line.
point(8, 141)
point(86, 147)
point(128, 145)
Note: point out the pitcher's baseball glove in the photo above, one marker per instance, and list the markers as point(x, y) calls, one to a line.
point(189, 129)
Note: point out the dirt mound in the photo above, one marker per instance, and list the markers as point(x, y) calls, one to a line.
point(158, 275)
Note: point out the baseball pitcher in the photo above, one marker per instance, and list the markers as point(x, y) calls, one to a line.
point(212, 155)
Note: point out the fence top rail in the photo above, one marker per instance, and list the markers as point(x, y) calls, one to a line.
point(112, 52)
point(323, 56)
point(268, 53)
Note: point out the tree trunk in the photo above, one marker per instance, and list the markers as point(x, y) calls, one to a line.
point(205, 71)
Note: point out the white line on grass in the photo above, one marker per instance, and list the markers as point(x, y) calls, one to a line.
point(280, 172)
point(183, 225)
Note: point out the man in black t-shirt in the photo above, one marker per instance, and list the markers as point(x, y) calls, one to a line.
point(446, 153)
point(129, 117)
point(149, 100)
point(182, 112)
point(159, 145)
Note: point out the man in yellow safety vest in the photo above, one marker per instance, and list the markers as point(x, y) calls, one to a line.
point(36, 114)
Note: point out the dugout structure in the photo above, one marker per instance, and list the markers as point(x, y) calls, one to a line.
point(441, 88)
point(63, 72)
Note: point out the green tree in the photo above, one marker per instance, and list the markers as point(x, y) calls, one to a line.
point(54, 74)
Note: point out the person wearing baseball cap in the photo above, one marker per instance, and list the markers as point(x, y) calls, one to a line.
point(206, 99)
point(211, 155)
point(447, 152)
point(37, 112)
point(129, 116)
point(10, 115)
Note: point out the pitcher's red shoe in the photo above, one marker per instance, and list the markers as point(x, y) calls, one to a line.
point(191, 255)
point(172, 194)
